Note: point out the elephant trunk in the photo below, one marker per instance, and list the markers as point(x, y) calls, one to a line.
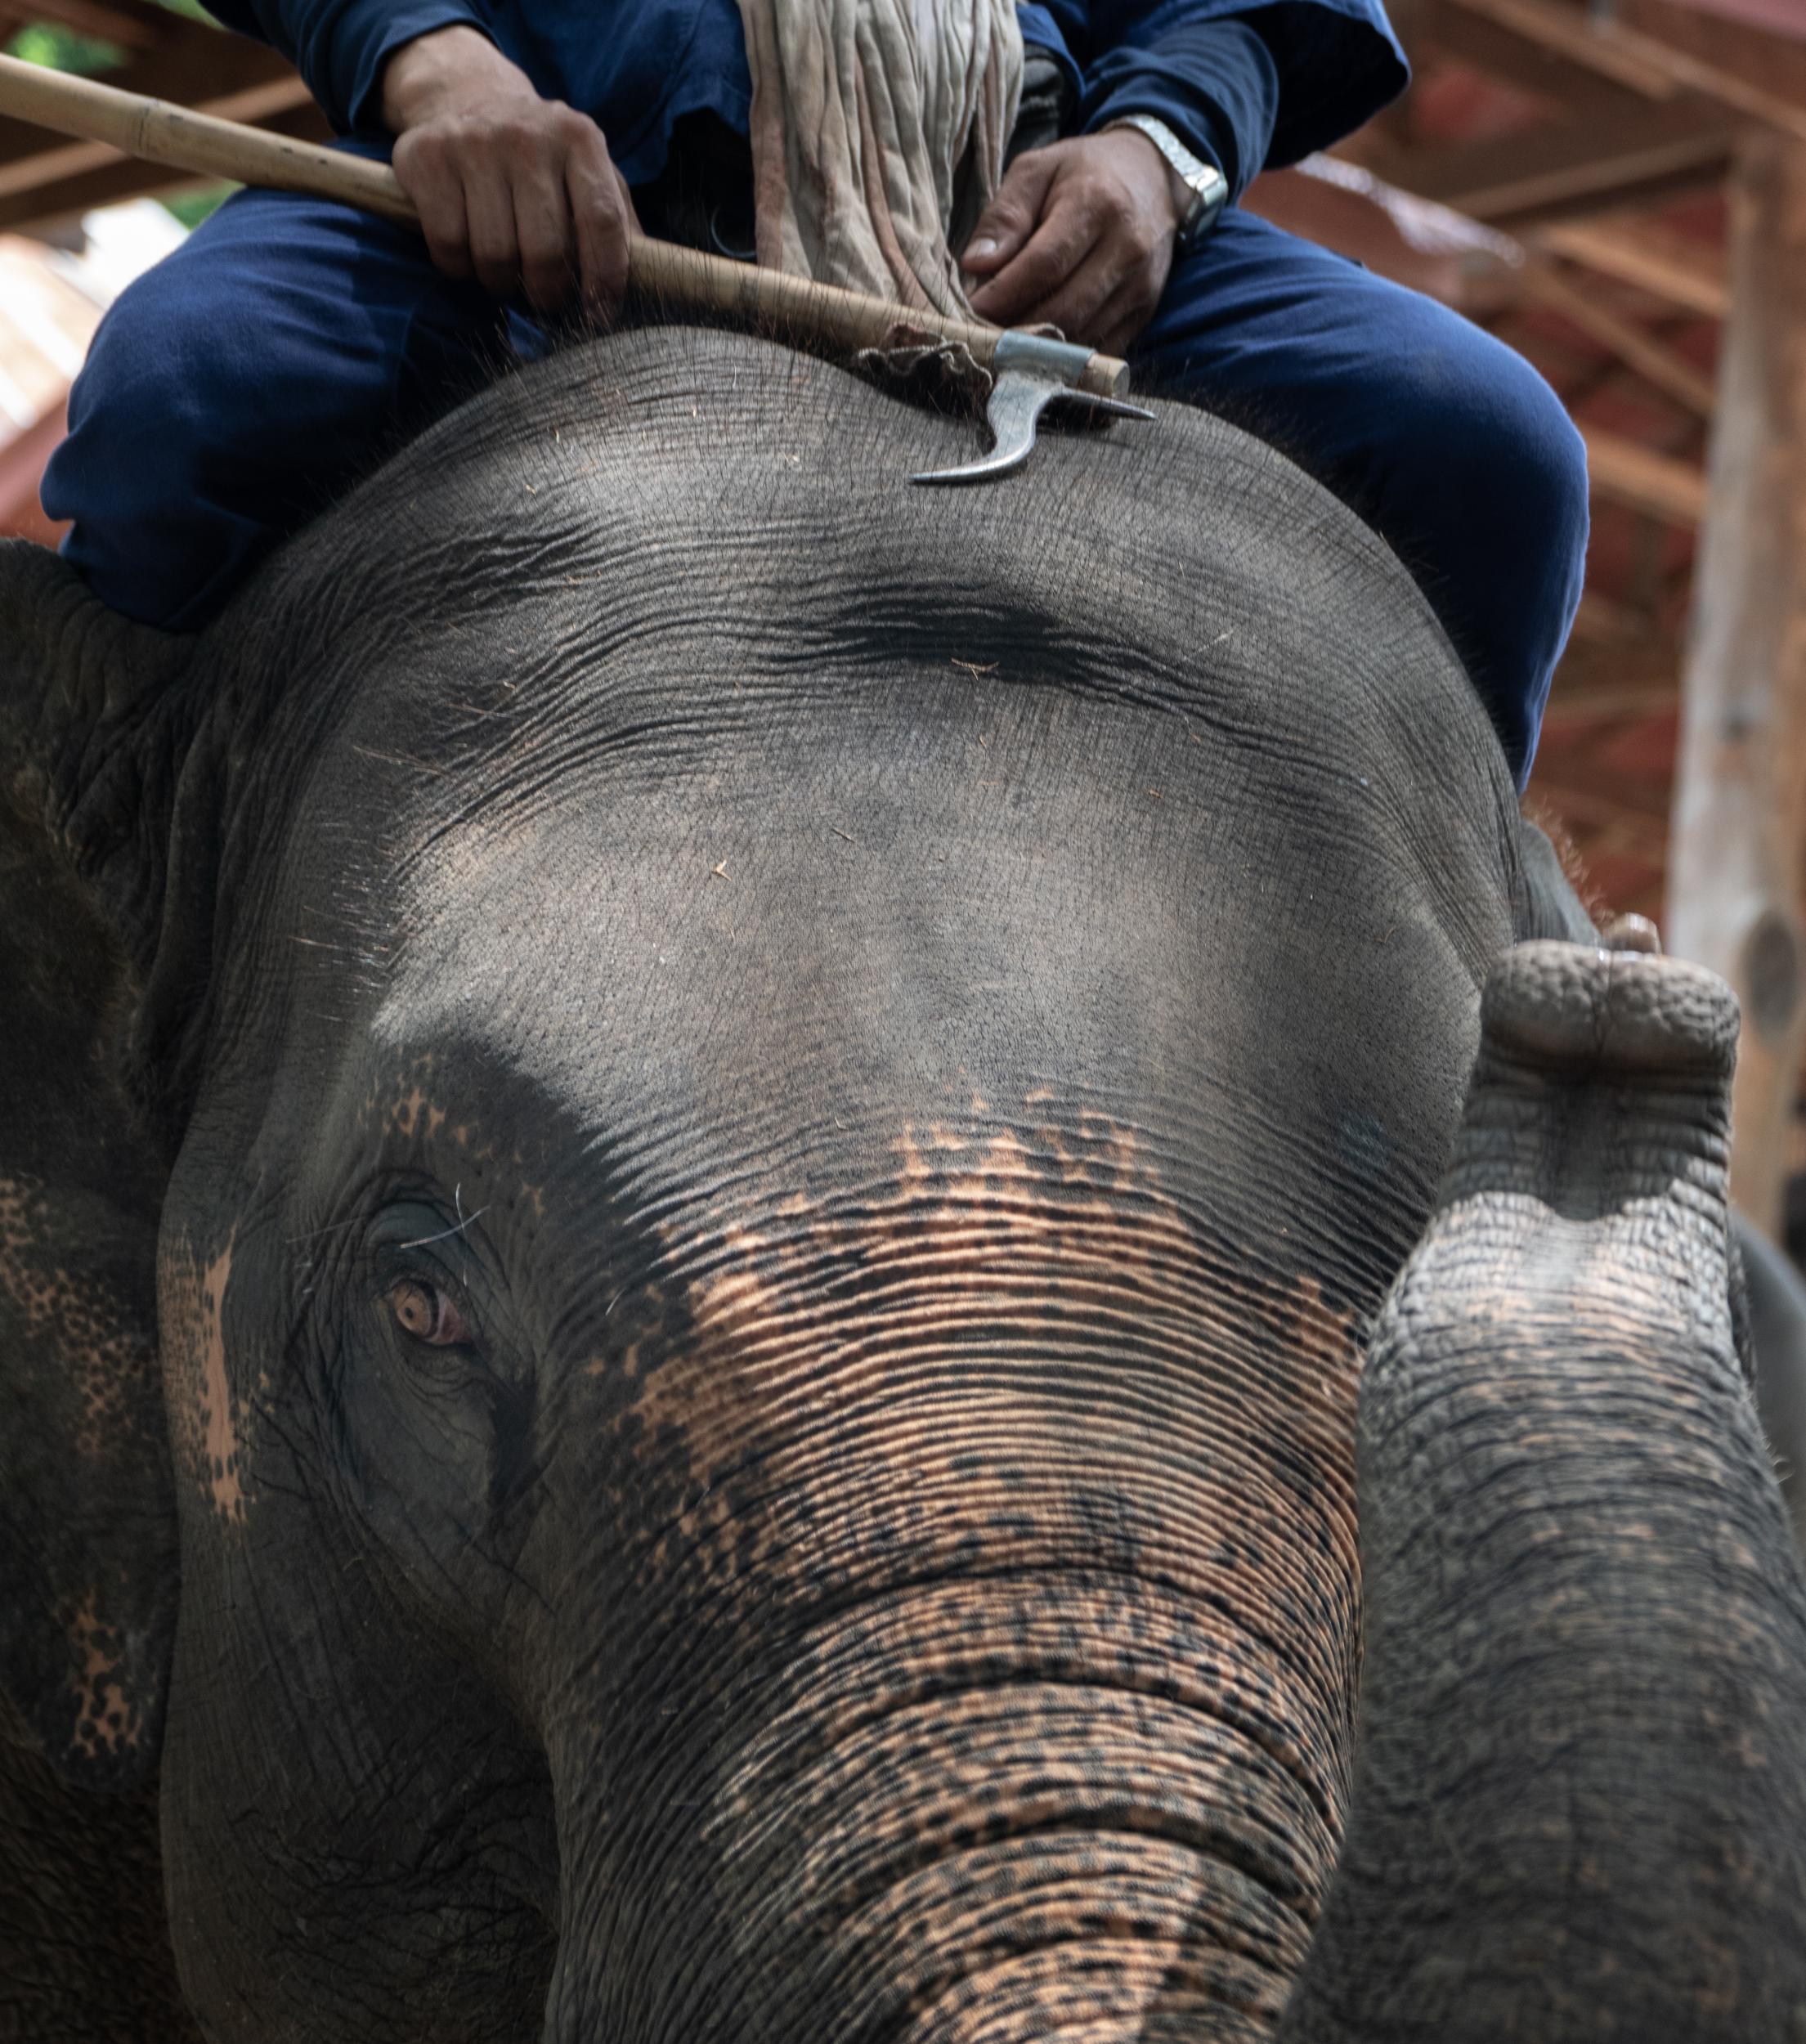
point(993, 1813)
point(1046, 1836)
point(992, 1679)
point(1580, 1799)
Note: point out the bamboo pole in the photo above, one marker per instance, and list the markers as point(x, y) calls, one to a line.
point(659, 274)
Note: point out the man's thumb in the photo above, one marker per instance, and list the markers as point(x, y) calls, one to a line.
point(1009, 219)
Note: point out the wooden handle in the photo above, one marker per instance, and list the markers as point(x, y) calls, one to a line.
point(664, 273)
point(660, 273)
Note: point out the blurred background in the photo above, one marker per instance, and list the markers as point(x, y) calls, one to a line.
point(1617, 188)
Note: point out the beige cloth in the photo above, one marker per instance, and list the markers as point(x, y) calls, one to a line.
point(878, 134)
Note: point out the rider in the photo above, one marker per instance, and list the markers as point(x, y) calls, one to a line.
point(236, 388)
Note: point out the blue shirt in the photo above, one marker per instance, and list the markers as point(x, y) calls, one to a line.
point(1248, 83)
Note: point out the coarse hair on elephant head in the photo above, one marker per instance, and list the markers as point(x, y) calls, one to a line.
point(710, 1147)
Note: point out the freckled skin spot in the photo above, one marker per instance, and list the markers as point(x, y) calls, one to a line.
point(84, 1944)
point(108, 1719)
point(206, 1418)
point(416, 1115)
point(96, 1346)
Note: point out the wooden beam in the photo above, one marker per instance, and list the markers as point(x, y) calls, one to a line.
point(1394, 234)
point(1690, 274)
point(1739, 837)
point(1597, 683)
point(1653, 359)
point(1603, 622)
point(136, 23)
point(1645, 63)
point(1640, 836)
point(1586, 167)
point(45, 179)
point(102, 177)
point(1595, 668)
point(1566, 33)
point(1774, 17)
point(1440, 31)
point(131, 28)
point(1567, 712)
point(1765, 56)
point(1623, 471)
point(28, 176)
point(193, 64)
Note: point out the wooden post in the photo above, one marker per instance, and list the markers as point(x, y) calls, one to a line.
point(1738, 854)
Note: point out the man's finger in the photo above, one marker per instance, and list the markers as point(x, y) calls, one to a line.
point(1062, 241)
point(489, 207)
point(430, 180)
point(602, 215)
point(1117, 323)
point(543, 233)
point(1074, 306)
point(1007, 223)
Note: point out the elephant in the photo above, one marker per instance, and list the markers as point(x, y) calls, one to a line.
point(1777, 1296)
point(784, 1259)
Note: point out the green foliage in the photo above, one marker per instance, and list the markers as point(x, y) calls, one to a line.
point(191, 207)
point(61, 49)
point(88, 55)
point(65, 49)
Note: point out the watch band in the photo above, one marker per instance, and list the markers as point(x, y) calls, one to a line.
point(1209, 188)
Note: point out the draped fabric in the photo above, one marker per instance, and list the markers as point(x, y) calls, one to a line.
point(878, 134)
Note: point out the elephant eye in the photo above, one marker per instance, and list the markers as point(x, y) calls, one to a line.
point(427, 1313)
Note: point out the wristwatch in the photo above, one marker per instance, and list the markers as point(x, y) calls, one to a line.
point(1206, 188)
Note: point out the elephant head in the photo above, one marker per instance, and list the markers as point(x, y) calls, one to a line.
point(764, 1116)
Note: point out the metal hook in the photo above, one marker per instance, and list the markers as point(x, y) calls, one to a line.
point(1029, 373)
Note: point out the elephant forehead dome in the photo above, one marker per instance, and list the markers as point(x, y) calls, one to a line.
point(700, 485)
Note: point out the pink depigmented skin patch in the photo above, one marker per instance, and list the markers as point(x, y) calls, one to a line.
point(204, 1416)
point(1033, 1224)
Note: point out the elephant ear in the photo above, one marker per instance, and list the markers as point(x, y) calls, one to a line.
point(1547, 903)
point(88, 1565)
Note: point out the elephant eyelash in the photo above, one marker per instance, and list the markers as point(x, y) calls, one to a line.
point(444, 1234)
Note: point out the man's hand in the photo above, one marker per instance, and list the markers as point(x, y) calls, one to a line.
point(513, 189)
point(1080, 236)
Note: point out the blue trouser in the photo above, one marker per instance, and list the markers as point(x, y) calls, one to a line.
point(234, 391)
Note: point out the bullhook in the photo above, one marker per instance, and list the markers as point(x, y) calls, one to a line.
point(1029, 372)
